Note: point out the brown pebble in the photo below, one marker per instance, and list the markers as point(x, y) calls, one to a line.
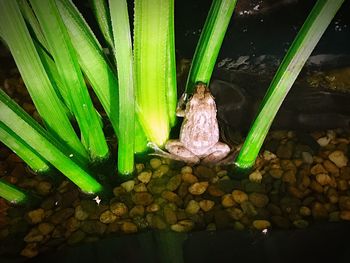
point(214, 190)
point(318, 169)
point(206, 205)
point(227, 201)
point(172, 197)
point(128, 227)
point(142, 198)
point(261, 224)
point(189, 178)
point(239, 196)
point(198, 188)
point(119, 209)
point(137, 210)
point(30, 250)
point(152, 208)
point(345, 215)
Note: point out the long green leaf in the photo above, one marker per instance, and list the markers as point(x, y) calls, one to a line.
point(151, 27)
point(12, 193)
point(300, 50)
point(22, 125)
point(50, 108)
point(124, 60)
point(210, 42)
point(67, 65)
point(102, 15)
point(36, 162)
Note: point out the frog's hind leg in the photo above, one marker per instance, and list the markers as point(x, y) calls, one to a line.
point(180, 153)
point(218, 152)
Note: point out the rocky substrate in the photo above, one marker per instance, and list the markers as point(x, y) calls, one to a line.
point(291, 186)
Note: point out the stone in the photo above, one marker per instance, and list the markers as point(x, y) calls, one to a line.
point(80, 213)
point(137, 210)
point(268, 156)
point(248, 208)
point(162, 170)
point(143, 198)
point(227, 201)
point(34, 235)
point(169, 215)
point(93, 227)
point(183, 189)
point(338, 158)
point(72, 224)
point(258, 200)
point(183, 226)
point(255, 176)
point(152, 208)
point(119, 191)
point(318, 169)
point(304, 211)
point(307, 157)
point(316, 187)
point(144, 177)
point(235, 213)
point(206, 205)
point(76, 237)
point(108, 217)
point(43, 188)
point(61, 215)
point(189, 178)
point(155, 163)
point(119, 209)
point(157, 185)
point(172, 197)
point(331, 167)
point(344, 202)
point(204, 172)
point(214, 190)
point(30, 250)
point(198, 188)
point(186, 170)
point(35, 216)
point(285, 151)
point(345, 215)
point(261, 224)
point(128, 227)
point(139, 167)
point(141, 187)
point(289, 177)
point(174, 182)
point(323, 179)
point(157, 222)
point(323, 141)
point(319, 211)
point(239, 196)
point(128, 185)
point(300, 223)
point(192, 207)
point(276, 173)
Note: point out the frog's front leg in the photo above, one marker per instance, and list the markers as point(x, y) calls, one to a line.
point(180, 152)
point(217, 153)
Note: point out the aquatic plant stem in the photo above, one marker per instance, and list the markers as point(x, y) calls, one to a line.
point(124, 59)
point(12, 193)
point(301, 48)
point(64, 55)
point(210, 42)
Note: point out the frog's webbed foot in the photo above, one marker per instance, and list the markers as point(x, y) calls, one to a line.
point(219, 152)
point(158, 151)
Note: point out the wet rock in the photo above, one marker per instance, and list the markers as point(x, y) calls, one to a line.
point(274, 209)
point(143, 198)
point(45, 228)
point(35, 216)
point(289, 177)
point(344, 215)
point(331, 167)
point(80, 213)
point(172, 197)
point(198, 188)
point(128, 227)
point(261, 224)
point(204, 172)
point(61, 215)
point(248, 208)
point(344, 202)
point(144, 177)
point(137, 210)
point(119, 209)
point(192, 207)
point(285, 151)
point(30, 250)
point(227, 201)
point(183, 226)
point(338, 158)
point(34, 235)
point(189, 178)
point(239, 196)
point(152, 208)
point(157, 222)
point(206, 205)
point(255, 176)
point(174, 182)
point(300, 223)
point(305, 211)
point(76, 237)
point(162, 170)
point(128, 185)
point(119, 191)
point(72, 224)
point(108, 217)
point(93, 227)
point(316, 187)
point(169, 215)
point(186, 170)
point(258, 200)
point(183, 190)
point(318, 169)
point(155, 163)
point(323, 141)
point(276, 173)
point(140, 188)
point(214, 190)
point(323, 179)
point(319, 211)
point(157, 185)
point(307, 157)
point(43, 188)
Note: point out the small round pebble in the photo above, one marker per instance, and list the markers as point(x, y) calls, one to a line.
point(239, 196)
point(261, 224)
point(198, 188)
point(155, 163)
point(339, 158)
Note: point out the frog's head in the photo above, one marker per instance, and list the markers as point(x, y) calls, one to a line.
point(201, 89)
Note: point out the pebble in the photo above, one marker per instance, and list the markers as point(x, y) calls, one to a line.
point(30, 250)
point(305, 211)
point(331, 167)
point(239, 196)
point(261, 224)
point(186, 170)
point(268, 156)
point(285, 151)
point(157, 222)
point(258, 200)
point(345, 215)
point(227, 201)
point(338, 158)
point(128, 185)
point(319, 211)
point(300, 223)
point(183, 226)
point(189, 178)
point(198, 188)
point(169, 215)
point(192, 207)
point(248, 208)
point(141, 187)
point(289, 177)
point(204, 172)
point(214, 190)
point(323, 141)
point(144, 177)
point(152, 208)
point(45, 228)
point(307, 157)
point(323, 179)
point(80, 214)
point(143, 198)
point(36, 216)
point(155, 163)
point(344, 202)
point(34, 235)
point(174, 182)
point(128, 227)
point(235, 213)
point(206, 205)
point(61, 215)
point(76, 237)
point(162, 170)
point(72, 224)
point(119, 209)
point(107, 217)
point(255, 177)
point(137, 210)
point(93, 227)
point(318, 169)
point(43, 188)
point(172, 197)
point(276, 173)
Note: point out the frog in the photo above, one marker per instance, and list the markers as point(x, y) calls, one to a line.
point(199, 134)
